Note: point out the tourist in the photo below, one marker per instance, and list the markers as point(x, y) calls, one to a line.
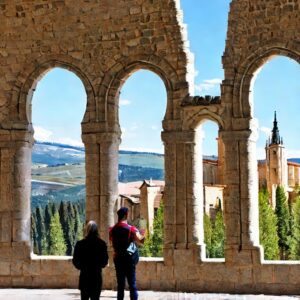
point(124, 238)
point(90, 256)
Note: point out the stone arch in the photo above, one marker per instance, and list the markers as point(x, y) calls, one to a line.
point(117, 75)
point(242, 87)
point(20, 107)
point(197, 118)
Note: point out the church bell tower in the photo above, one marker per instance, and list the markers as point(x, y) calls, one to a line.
point(276, 162)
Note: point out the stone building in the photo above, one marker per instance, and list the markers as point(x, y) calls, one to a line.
point(103, 43)
point(276, 170)
point(142, 198)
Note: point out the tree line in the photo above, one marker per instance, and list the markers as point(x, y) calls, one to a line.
point(55, 228)
point(279, 229)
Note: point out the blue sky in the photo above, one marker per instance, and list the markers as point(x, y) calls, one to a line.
point(143, 96)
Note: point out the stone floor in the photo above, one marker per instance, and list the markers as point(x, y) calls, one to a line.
point(63, 294)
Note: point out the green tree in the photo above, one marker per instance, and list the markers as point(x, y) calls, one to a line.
point(65, 223)
point(283, 223)
point(295, 241)
point(218, 236)
point(153, 245)
point(145, 250)
point(267, 227)
point(57, 245)
point(34, 237)
point(71, 227)
point(157, 237)
point(40, 229)
point(207, 234)
point(48, 215)
point(78, 226)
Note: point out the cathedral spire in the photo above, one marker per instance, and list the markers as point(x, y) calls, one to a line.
point(275, 140)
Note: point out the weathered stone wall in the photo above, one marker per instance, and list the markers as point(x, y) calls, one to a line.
point(103, 42)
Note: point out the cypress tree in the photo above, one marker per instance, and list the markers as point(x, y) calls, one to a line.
point(295, 241)
point(207, 235)
point(267, 227)
point(153, 245)
point(78, 226)
point(283, 222)
point(57, 244)
point(157, 237)
point(34, 237)
point(64, 220)
point(218, 236)
point(40, 229)
point(71, 227)
point(48, 215)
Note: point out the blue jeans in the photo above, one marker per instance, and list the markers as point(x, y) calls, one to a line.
point(125, 268)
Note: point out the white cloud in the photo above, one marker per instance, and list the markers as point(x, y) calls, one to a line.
point(124, 102)
point(69, 141)
point(42, 134)
point(293, 153)
point(266, 130)
point(207, 84)
point(260, 153)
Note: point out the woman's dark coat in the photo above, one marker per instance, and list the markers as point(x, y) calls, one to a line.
point(90, 256)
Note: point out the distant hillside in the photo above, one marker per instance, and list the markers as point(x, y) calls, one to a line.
point(54, 154)
point(74, 194)
point(56, 167)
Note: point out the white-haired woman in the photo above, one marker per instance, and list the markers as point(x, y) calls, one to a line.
point(90, 256)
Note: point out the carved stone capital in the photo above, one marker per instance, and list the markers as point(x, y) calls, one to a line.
point(200, 100)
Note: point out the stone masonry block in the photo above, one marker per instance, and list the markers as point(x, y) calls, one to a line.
point(32, 268)
point(5, 268)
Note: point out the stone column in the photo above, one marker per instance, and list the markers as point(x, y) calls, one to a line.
point(15, 193)
point(101, 178)
point(241, 197)
point(183, 195)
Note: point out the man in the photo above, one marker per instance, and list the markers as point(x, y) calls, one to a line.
point(90, 256)
point(122, 235)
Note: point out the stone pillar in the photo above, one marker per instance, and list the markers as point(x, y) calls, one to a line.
point(183, 196)
point(101, 178)
point(220, 176)
point(241, 197)
point(15, 193)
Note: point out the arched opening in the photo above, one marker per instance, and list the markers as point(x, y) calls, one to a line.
point(58, 163)
point(276, 106)
point(212, 151)
point(142, 107)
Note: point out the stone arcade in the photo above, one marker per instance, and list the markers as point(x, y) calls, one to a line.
point(103, 42)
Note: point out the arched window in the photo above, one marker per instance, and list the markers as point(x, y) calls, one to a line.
point(58, 163)
point(142, 106)
point(213, 186)
point(276, 106)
